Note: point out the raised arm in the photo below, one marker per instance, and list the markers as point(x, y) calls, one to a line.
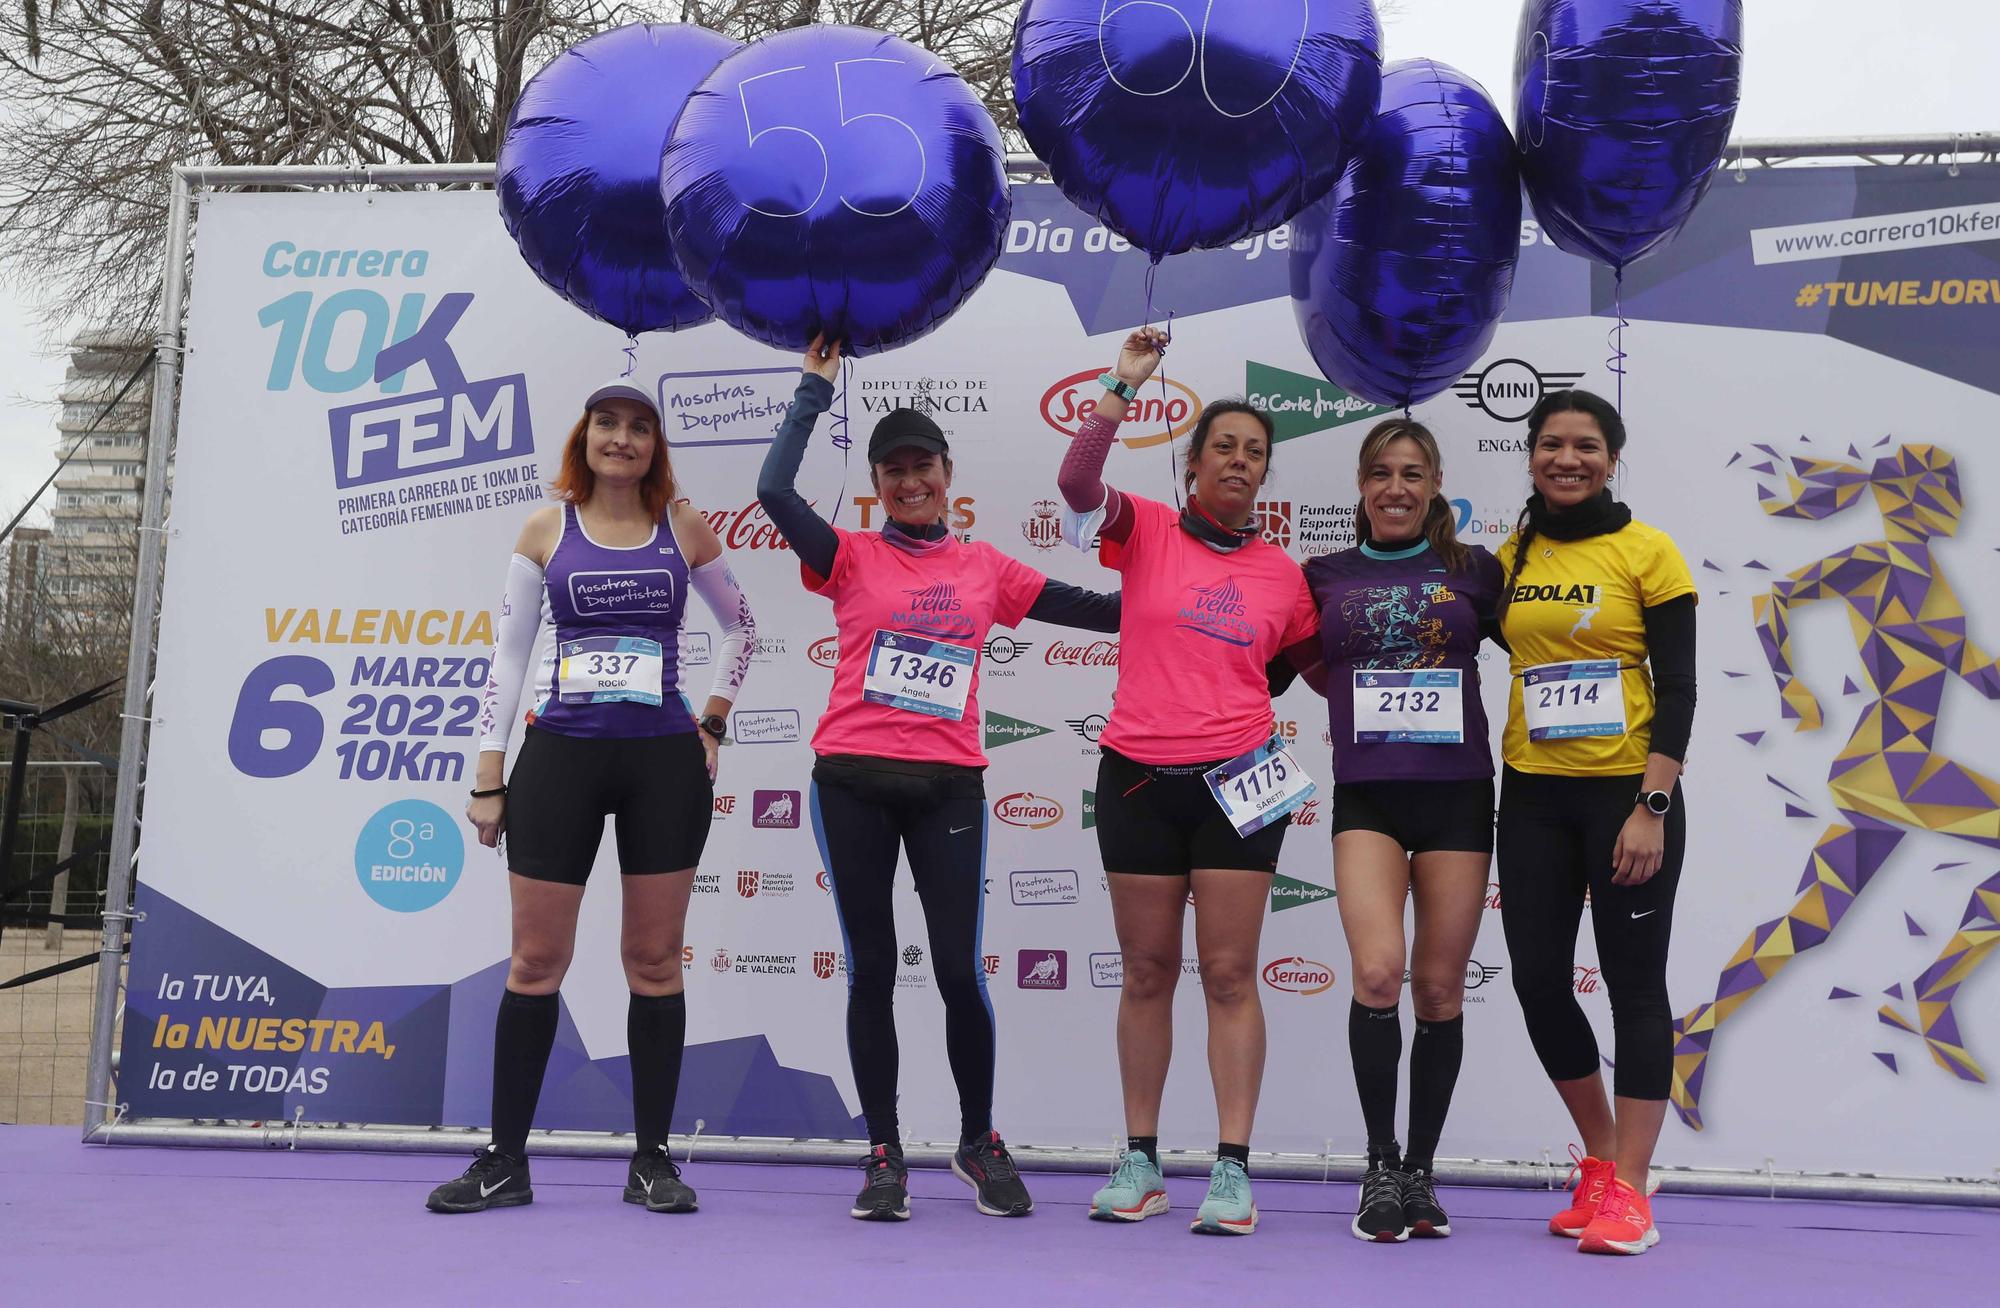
point(811, 538)
point(1081, 478)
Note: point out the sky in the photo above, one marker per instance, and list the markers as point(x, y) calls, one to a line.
point(1812, 68)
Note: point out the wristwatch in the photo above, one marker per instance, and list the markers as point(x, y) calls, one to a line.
point(715, 726)
point(1119, 386)
point(1657, 802)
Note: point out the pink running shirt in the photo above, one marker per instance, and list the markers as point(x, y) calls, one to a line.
point(955, 593)
point(1198, 626)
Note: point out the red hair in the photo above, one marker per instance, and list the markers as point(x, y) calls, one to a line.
point(575, 482)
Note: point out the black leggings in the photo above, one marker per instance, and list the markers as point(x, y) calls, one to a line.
point(945, 837)
point(1554, 842)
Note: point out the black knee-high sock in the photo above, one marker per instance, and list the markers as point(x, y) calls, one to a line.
point(655, 1035)
point(1375, 1043)
point(1435, 1053)
point(523, 1034)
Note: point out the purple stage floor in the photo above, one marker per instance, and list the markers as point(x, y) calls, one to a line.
point(182, 1226)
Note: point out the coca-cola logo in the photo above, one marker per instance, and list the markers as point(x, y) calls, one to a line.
point(1094, 654)
point(1493, 895)
point(1300, 976)
point(1587, 980)
point(1026, 809)
point(824, 652)
point(1165, 410)
point(746, 528)
point(1306, 814)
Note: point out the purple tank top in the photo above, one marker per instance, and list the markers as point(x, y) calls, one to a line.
point(617, 613)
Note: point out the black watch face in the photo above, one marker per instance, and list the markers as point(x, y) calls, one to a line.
point(1659, 801)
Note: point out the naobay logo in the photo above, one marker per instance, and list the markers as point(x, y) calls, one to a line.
point(459, 423)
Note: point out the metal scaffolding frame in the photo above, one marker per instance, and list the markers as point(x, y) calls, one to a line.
point(108, 1124)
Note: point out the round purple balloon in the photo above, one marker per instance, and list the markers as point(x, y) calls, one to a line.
point(1622, 108)
point(835, 180)
point(1185, 124)
point(1400, 276)
point(579, 168)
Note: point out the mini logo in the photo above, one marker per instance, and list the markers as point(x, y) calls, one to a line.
point(1057, 886)
point(1274, 520)
point(1290, 892)
point(1089, 728)
point(1042, 969)
point(824, 652)
point(1088, 809)
point(1478, 974)
point(1162, 413)
point(1005, 649)
point(823, 963)
point(1300, 976)
point(1306, 814)
point(720, 960)
point(721, 807)
point(1043, 527)
point(1095, 654)
point(775, 810)
point(1003, 730)
point(1026, 809)
point(1107, 971)
point(746, 882)
point(1507, 390)
point(765, 726)
point(912, 955)
point(1586, 979)
point(990, 964)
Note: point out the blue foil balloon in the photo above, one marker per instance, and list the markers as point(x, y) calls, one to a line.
point(579, 171)
point(1622, 108)
point(1400, 276)
point(1185, 124)
point(835, 180)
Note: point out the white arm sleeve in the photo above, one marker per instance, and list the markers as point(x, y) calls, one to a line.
point(716, 585)
point(514, 644)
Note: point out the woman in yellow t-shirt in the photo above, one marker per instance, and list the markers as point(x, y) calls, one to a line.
point(1590, 803)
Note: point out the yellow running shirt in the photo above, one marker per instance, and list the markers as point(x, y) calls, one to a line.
point(1579, 603)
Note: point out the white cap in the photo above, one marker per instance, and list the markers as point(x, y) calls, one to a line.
point(622, 390)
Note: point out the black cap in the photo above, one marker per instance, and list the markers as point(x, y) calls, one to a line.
point(905, 428)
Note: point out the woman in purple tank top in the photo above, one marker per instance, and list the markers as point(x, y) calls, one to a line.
point(609, 734)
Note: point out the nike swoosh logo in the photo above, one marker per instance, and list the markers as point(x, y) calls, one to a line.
point(956, 830)
point(1648, 913)
point(486, 1191)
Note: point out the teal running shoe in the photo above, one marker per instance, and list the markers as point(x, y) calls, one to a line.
point(1135, 1191)
point(1228, 1210)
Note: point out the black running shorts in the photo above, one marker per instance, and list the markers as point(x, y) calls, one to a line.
point(1162, 821)
point(655, 788)
point(1421, 816)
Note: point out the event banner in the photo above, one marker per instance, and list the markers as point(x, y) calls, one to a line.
point(376, 396)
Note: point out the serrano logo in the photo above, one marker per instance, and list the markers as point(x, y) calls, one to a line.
point(1507, 390)
point(1096, 654)
point(1161, 413)
point(1300, 976)
point(1026, 809)
point(824, 652)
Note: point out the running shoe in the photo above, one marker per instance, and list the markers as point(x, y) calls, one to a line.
point(885, 1195)
point(1591, 1175)
point(1135, 1191)
point(654, 1180)
point(495, 1180)
point(1623, 1225)
point(1379, 1218)
point(1228, 1210)
point(989, 1169)
point(1422, 1213)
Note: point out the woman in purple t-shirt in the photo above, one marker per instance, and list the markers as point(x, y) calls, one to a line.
point(1401, 618)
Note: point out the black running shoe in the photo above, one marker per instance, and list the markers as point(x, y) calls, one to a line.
point(495, 1180)
point(885, 1195)
point(1379, 1218)
point(654, 1181)
point(1422, 1213)
point(989, 1169)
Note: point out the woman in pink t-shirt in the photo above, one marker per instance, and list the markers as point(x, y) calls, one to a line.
point(900, 763)
point(1193, 791)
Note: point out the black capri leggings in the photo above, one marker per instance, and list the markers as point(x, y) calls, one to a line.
point(1554, 842)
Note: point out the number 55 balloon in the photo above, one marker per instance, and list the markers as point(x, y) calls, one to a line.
point(834, 179)
point(1193, 123)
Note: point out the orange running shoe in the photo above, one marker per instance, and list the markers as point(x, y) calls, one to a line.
point(1591, 1175)
point(1623, 1225)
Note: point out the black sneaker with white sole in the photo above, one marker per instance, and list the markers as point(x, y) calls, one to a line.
point(1379, 1216)
point(495, 1180)
point(885, 1195)
point(989, 1169)
point(654, 1180)
point(1424, 1217)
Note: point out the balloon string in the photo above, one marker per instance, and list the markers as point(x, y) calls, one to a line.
point(631, 354)
point(1166, 422)
point(1616, 338)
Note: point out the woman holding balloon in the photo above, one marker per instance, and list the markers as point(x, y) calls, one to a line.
point(1193, 792)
